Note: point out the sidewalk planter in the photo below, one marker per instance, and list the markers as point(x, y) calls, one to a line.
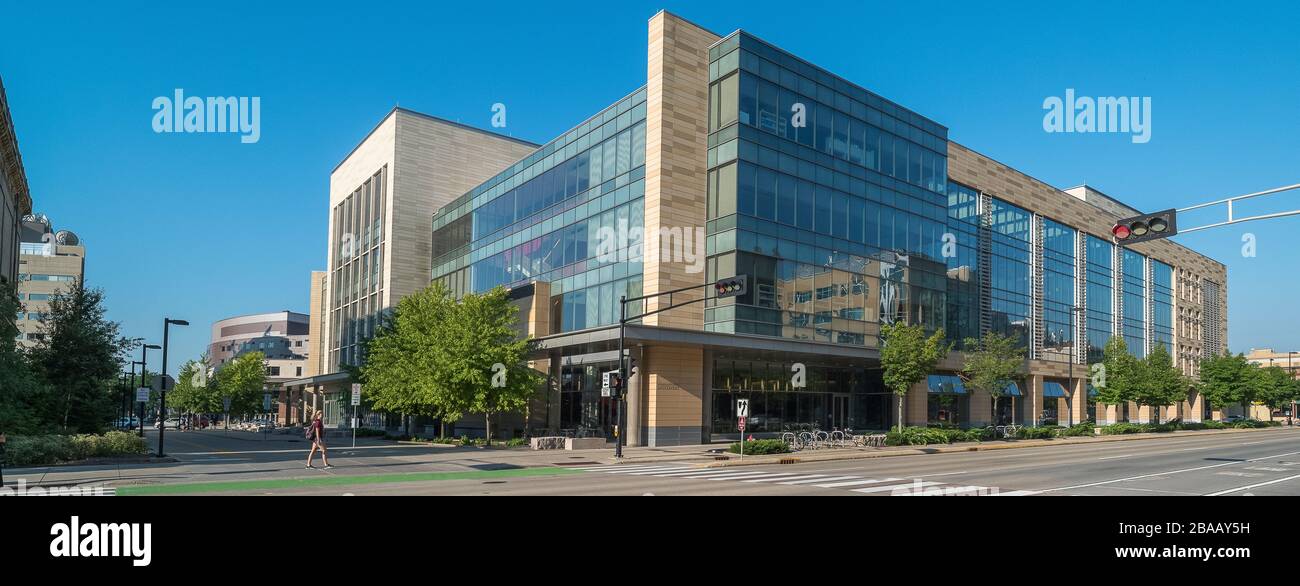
point(547, 443)
point(584, 443)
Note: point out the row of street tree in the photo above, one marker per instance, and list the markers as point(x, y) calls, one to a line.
point(995, 361)
point(69, 381)
point(201, 390)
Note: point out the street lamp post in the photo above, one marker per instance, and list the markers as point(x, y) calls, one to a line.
point(162, 382)
point(144, 360)
point(1290, 372)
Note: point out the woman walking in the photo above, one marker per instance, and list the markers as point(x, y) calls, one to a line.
point(318, 441)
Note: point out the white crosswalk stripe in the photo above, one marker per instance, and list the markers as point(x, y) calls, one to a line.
point(856, 484)
point(784, 478)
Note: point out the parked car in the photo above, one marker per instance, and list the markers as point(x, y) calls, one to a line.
point(127, 422)
point(169, 423)
point(1234, 418)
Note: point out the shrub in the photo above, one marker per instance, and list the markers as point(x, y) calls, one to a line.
point(1036, 432)
point(917, 436)
point(1085, 429)
point(760, 447)
point(1254, 424)
point(51, 449)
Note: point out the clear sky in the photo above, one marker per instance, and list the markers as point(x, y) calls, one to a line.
point(202, 227)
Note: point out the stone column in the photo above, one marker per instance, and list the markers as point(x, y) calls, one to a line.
point(981, 408)
point(1079, 401)
point(1034, 400)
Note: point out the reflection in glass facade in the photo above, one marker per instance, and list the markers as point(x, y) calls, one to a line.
point(963, 264)
point(835, 397)
point(1058, 290)
point(832, 199)
point(571, 215)
point(1162, 296)
point(356, 276)
point(1009, 269)
point(1101, 296)
point(1133, 326)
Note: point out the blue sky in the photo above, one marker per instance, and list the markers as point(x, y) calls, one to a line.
point(202, 227)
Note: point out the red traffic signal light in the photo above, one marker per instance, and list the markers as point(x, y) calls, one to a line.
point(1147, 227)
point(731, 286)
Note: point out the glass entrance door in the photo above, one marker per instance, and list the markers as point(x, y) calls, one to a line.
point(839, 411)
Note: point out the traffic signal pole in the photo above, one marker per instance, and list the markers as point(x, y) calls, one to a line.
point(728, 287)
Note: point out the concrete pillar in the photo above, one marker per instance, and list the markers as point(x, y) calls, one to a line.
point(1195, 406)
point(981, 408)
point(635, 399)
point(706, 404)
point(1079, 401)
point(1034, 400)
point(917, 408)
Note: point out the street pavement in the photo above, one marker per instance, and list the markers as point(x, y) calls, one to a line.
point(1266, 462)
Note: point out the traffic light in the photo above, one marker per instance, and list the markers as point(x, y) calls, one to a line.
point(631, 367)
point(1145, 227)
point(731, 286)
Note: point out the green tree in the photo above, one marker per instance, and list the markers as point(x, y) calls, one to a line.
point(1275, 388)
point(907, 357)
point(446, 358)
point(194, 391)
point(1159, 384)
point(79, 357)
point(401, 373)
point(1228, 378)
point(485, 360)
point(21, 390)
point(1118, 379)
point(242, 380)
point(992, 364)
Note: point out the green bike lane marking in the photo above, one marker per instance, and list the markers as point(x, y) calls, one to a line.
point(334, 480)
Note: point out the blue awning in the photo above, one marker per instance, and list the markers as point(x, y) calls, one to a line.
point(1012, 390)
point(942, 383)
point(1051, 389)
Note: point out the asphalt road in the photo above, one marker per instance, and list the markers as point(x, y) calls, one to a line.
point(1263, 463)
point(1256, 463)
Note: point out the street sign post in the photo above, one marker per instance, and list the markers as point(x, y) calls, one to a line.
point(142, 395)
point(356, 402)
point(742, 408)
point(740, 423)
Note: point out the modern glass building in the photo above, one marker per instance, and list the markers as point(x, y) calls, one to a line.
point(846, 211)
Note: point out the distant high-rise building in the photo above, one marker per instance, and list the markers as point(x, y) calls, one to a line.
point(49, 262)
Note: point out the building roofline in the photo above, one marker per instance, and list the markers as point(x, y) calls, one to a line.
point(796, 57)
point(686, 20)
point(397, 109)
point(266, 313)
point(12, 158)
point(1064, 194)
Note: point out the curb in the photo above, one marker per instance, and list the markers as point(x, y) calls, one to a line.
point(804, 457)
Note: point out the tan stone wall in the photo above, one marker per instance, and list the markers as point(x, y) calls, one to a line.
point(316, 313)
point(429, 162)
point(676, 156)
point(674, 387)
